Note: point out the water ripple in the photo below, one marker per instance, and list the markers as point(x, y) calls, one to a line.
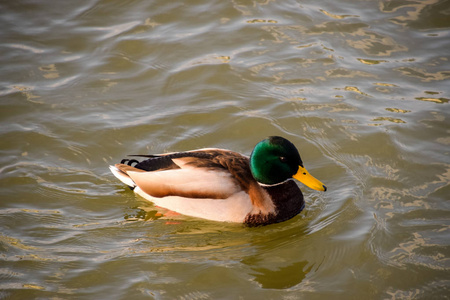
point(360, 88)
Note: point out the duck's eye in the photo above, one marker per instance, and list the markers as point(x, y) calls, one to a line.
point(283, 159)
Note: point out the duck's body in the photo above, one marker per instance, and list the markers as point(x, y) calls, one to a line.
point(221, 185)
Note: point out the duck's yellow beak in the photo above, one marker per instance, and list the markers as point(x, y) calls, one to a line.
point(307, 179)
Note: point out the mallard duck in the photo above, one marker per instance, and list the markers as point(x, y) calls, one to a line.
point(223, 185)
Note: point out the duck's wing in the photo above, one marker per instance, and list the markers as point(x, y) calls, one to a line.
point(206, 173)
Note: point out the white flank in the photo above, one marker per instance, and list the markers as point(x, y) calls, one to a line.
point(233, 209)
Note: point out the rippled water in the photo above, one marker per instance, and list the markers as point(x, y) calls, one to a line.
point(361, 87)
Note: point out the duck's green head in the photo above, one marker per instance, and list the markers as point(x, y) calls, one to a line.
point(275, 160)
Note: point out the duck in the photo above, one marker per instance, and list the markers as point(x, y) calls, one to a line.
point(223, 185)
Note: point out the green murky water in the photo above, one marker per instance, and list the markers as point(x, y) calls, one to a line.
point(361, 87)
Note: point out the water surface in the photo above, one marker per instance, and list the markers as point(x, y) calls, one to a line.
point(361, 87)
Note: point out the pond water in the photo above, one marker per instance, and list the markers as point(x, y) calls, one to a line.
point(360, 87)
